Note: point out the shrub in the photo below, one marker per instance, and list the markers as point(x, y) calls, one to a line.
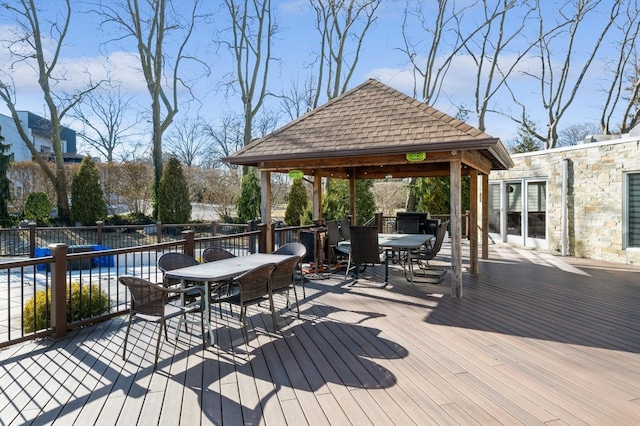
point(174, 204)
point(87, 199)
point(82, 302)
point(249, 202)
point(297, 203)
point(37, 207)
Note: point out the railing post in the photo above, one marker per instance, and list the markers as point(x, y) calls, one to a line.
point(159, 233)
point(379, 218)
point(262, 240)
point(59, 290)
point(190, 244)
point(214, 228)
point(99, 231)
point(466, 224)
point(32, 239)
point(251, 226)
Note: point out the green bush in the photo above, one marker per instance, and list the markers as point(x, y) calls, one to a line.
point(174, 204)
point(297, 203)
point(87, 199)
point(37, 207)
point(249, 202)
point(83, 302)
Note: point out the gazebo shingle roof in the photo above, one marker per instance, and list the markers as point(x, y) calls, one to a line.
point(370, 119)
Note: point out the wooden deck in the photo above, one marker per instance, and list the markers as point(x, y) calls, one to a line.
point(535, 339)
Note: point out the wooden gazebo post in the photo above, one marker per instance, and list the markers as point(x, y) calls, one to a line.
point(455, 167)
point(265, 208)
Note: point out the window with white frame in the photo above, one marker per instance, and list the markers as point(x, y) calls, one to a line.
point(632, 213)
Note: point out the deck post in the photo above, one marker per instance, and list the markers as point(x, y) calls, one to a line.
point(455, 167)
point(472, 221)
point(59, 290)
point(189, 242)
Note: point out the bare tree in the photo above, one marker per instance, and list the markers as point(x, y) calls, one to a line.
point(342, 25)
point(440, 41)
point(188, 140)
point(625, 83)
point(490, 46)
point(41, 52)
point(558, 87)
point(575, 133)
point(157, 26)
point(107, 120)
point(253, 28)
point(226, 139)
point(297, 99)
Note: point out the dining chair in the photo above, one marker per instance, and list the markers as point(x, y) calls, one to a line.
point(149, 302)
point(283, 279)
point(407, 225)
point(175, 260)
point(427, 253)
point(224, 289)
point(344, 228)
point(295, 249)
point(211, 254)
point(364, 248)
point(333, 238)
point(254, 288)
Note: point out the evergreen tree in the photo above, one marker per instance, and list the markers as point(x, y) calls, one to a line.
point(5, 193)
point(525, 142)
point(37, 207)
point(433, 195)
point(174, 204)
point(335, 204)
point(249, 201)
point(297, 203)
point(87, 199)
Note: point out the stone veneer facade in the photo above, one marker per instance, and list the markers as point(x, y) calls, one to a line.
point(595, 195)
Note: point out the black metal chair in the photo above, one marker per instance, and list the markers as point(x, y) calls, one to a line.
point(344, 228)
point(149, 302)
point(283, 279)
point(364, 248)
point(427, 253)
point(334, 236)
point(254, 286)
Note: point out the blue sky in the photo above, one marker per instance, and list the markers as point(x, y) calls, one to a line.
point(295, 46)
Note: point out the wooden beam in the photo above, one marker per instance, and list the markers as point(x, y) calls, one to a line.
point(352, 198)
point(265, 207)
point(485, 217)
point(456, 228)
point(317, 197)
point(473, 222)
point(477, 161)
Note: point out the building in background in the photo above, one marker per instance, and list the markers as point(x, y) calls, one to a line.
point(39, 131)
point(582, 200)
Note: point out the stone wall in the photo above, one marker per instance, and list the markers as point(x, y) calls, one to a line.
point(595, 195)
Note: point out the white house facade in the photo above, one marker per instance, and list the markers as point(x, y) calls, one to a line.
point(581, 201)
point(38, 130)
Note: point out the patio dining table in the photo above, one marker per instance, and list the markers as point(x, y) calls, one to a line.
point(213, 274)
point(395, 242)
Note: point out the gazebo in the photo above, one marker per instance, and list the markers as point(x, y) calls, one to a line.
point(374, 131)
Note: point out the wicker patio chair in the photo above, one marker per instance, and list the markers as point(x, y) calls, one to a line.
point(149, 303)
point(283, 279)
point(224, 289)
point(211, 254)
point(364, 248)
point(296, 249)
point(254, 288)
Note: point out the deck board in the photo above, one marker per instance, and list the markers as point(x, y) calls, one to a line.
point(536, 339)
